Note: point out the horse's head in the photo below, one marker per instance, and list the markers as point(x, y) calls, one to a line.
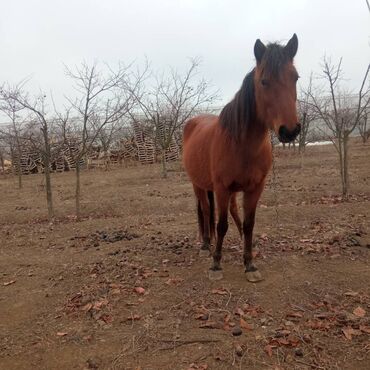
point(275, 79)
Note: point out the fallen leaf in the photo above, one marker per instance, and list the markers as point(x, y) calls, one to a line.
point(211, 325)
point(9, 282)
point(87, 307)
point(348, 332)
point(285, 332)
point(221, 291)
point(365, 329)
point(318, 325)
point(115, 286)
point(139, 290)
point(61, 334)
point(283, 341)
point(324, 315)
point(106, 318)
point(245, 325)
point(359, 312)
point(194, 366)
point(294, 314)
point(202, 316)
point(99, 304)
point(351, 294)
point(174, 281)
point(268, 350)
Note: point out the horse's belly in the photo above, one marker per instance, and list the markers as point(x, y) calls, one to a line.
point(197, 168)
point(197, 151)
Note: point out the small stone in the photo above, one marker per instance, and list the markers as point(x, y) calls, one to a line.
point(92, 363)
point(298, 352)
point(236, 331)
point(239, 350)
point(205, 317)
point(333, 256)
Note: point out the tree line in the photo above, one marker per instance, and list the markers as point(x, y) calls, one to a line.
point(107, 99)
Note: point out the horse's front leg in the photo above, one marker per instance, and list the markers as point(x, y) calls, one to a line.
point(250, 200)
point(223, 199)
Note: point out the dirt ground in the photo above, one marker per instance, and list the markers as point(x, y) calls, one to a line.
point(125, 288)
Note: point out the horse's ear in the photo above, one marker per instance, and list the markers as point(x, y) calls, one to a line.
point(292, 46)
point(259, 50)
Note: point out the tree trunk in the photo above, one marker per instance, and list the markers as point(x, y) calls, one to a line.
point(343, 162)
point(301, 158)
point(106, 162)
point(19, 171)
point(164, 164)
point(49, 195)
point(345, 167)
point(302, 134)
point(78, 190)
point(340, 152)
point(2, 162)
point(47, 155)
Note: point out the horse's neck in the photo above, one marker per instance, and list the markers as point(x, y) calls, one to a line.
point(255, 140)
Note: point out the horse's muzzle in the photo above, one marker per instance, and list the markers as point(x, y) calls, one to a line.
point(286, 135)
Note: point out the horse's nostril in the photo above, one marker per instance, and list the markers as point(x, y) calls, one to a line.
point(286, 135)
point(283, 131)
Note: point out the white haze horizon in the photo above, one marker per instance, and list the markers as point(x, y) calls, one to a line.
point(39, 37)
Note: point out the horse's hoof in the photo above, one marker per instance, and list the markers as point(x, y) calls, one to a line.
point(215, 275)
point(204, 253)
point(254, 276)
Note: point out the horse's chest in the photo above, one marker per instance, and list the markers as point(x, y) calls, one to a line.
point(249, 177)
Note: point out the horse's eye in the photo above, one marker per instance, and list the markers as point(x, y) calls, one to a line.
point(264, 83)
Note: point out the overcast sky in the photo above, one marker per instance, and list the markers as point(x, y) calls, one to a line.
point(38, 36)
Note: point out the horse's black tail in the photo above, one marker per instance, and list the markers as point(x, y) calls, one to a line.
point(200, 220)
point(212, 220)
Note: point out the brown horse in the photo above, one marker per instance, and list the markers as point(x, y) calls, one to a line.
point(232, 152)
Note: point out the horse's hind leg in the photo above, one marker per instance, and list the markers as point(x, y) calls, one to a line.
point(249, 205)
point(223, 198)
point(204, 213)
point(235, 214)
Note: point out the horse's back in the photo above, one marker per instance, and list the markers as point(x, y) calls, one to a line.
point(199, 123)
point(198, 135)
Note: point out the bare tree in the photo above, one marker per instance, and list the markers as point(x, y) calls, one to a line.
point(169, 101)
point(363, 126)
point(307, 115)
point(38, 131)
point(106, 137)
point(341, 112)
point(11, 109)
point(2, 153)
point(102, 101)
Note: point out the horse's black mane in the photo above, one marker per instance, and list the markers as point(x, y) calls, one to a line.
point(240, 112)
